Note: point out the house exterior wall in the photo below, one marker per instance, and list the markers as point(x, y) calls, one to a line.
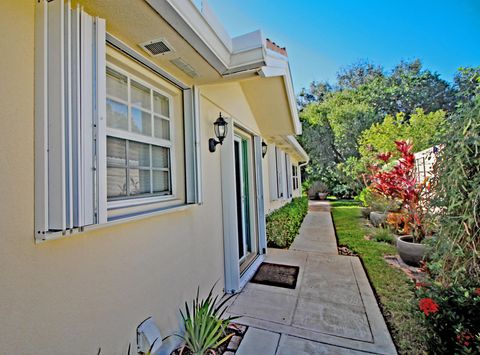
point(272, 202)
point(74, 295)
point(91, 290)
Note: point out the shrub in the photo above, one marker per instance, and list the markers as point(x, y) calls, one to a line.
point(400, 184)
point(450, 317)
point(383, 235)
point(456, 187)
point(283, 224)
point(451, 302)
point(343, 191)
point(376, 202)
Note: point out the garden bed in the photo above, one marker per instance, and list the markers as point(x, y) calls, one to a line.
point(230, 347)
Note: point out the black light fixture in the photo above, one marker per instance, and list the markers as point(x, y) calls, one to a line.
point(220, 127)
point(264, 149)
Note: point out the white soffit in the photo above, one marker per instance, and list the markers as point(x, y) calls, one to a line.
point(229, 56)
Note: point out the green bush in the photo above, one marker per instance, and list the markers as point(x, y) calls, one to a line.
point(383, 235)
point(456, 183)
point(450, 317)
point(375, 201)
point(284, 223)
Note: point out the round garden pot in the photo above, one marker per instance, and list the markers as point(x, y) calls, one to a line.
point(410, 252)
point(322, 195)
point(378, 219)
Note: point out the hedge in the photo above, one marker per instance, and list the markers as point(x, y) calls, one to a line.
point(283, 224)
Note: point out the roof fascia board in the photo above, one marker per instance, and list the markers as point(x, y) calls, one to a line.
point(214, 22)
point(189, 22)
point(298, 148)
point(194, 27)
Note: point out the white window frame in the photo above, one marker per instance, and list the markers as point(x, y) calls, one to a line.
point(280, 173)
point(295, 177)
point(288, 176)
point(137, 137)
point(70, 100)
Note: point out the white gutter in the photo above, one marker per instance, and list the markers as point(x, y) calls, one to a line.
point(298, 148)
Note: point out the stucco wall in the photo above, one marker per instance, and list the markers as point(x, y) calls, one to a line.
point(270, 203)
point(72, 296)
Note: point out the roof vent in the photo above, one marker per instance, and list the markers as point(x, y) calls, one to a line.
point(185, 67)
point(157, 47)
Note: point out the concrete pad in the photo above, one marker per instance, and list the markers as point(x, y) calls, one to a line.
point(333, 268)
point(332, 318)
point(340, 295)
point(314, 246)
point(274, 307)
point(258, 341)
point(287, 257)
point(292, 345)
point(332, 310)
point(316, 234)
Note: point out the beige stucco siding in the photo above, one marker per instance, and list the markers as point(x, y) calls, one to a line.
point(74, 295)
point(91, 290)
point(231, 100)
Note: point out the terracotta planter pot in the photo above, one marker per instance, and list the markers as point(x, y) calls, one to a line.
point(322, 195)
point(378, 219)
point(410, 252)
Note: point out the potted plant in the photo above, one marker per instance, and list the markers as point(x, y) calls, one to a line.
point(400, 184)
point(322, 191)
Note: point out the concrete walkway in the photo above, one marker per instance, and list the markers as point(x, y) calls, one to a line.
point(332, 310)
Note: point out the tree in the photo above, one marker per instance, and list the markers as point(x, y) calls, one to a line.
point(358, 74)
point(424, 130)
point(407, 88)
point(315, 93)
point(467, 84)
point(335, 117)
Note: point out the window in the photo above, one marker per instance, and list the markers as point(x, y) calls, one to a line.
point(295, 177)
point(280, 159)
point(105, 140)
point(280, 175)
point(288, 175)
point(139, 140)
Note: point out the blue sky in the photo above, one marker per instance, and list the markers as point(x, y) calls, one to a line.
point(324, 35)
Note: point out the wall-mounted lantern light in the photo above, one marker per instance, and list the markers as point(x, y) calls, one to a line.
point(220, 127)
point(264, 149)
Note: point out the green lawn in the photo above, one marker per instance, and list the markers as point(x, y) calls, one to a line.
point(393, 288)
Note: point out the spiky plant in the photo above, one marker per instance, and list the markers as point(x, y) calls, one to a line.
point(204, 327)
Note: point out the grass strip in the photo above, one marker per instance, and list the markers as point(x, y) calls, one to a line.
point(393, 288)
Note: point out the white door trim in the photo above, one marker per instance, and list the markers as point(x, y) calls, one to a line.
point(234, 282)
point(230, 244)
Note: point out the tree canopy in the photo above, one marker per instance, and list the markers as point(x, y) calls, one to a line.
point(341, 121)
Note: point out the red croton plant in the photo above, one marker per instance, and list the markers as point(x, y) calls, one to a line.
point(400, 184)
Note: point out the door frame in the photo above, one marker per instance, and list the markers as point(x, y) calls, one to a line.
point(234, 279)
point(239, 139)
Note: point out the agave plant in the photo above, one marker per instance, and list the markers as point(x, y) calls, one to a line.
point(204, 326)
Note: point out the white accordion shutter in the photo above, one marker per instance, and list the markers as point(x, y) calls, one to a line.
point(70, 115)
